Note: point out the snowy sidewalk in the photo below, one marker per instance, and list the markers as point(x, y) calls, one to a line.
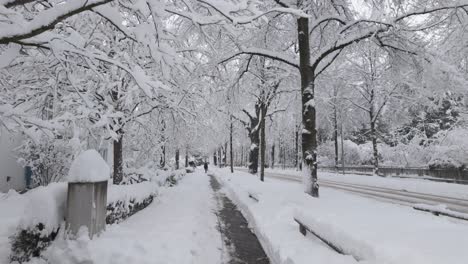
point(180, 227)
point(242, 245)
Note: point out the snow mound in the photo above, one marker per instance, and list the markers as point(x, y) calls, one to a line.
point(89, 166)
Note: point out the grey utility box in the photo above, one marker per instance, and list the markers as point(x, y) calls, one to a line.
point(87, 193)
point(86, 206)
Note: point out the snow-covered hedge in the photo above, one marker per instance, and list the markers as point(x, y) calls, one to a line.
point(125, 200)
point(30, 221)
point(448, 149)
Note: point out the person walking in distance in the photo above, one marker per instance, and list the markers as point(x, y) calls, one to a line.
point(205, 166)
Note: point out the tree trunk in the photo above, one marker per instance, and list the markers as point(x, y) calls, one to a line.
point(374, 148)
point(186, 157)
point(177, 159)
point(253, 152)
point(242, 157)
point(118, 160)
point(273, 156)
point(215, 162)
point(296, 153)
point(220, 157)
point(373, 133)
point(342, 149)
point(335, 135)
point(225, 154)
point(162, 162)
point(230, 145)
point(309, 133)
point(262, 142)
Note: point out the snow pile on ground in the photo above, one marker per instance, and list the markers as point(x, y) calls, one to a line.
point(44, 205)
point(89, 166)
point(377, 232)
point(440, 209)
point(180, 228)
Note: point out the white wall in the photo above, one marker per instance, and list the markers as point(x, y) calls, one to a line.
point(8, 164)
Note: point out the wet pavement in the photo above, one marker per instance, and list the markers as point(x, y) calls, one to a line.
point(243, 246)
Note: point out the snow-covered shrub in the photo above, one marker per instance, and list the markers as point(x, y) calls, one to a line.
point(48, 158)
point(44, 209)
point(41, 217)
point(125, 200)
point(354, 154)
point(30, 243)
point(449, 149)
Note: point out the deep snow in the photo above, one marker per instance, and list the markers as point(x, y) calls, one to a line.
point(180, 227)
point(373, 231)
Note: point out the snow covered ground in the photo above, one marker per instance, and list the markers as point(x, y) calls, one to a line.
point(370, 230)
point(409, 184)
point(180, 227)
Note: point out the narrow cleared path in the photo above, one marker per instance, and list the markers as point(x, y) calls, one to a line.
point(243, 246)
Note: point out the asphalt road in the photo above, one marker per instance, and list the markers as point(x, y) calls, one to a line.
point(384, 194)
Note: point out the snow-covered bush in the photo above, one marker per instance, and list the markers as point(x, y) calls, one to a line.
point(125, 200)
point(447, 149)
point(450, 149)
point(48, 158)
point(43, 209)
point(354, 154)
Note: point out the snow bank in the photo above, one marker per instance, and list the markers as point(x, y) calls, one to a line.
point(46, 205)
point(440, 209)
point(375, 231)
point(89, 166)
point(43, 205)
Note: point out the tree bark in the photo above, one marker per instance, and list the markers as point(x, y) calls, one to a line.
point(118, 160)
point(262, 142)
point(374, 146)
point(231, 128)
point(186, 157)
point(296, 153)
point(177, 159)
point(215, 162)
point(242, 157)
point(273, 156)
point(255, 142)
point(335, 134)
point(373, 133)
point(220, 157)
point(309, 133)
point(162, 162)
point(225, 154)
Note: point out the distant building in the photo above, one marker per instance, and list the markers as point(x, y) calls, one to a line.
point(12, 175)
